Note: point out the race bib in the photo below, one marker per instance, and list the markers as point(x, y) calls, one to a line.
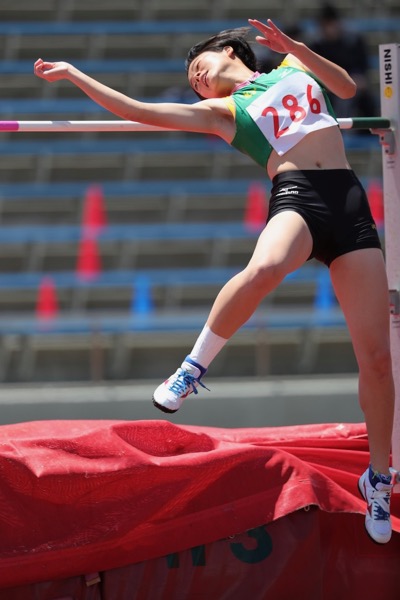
point(289, 110)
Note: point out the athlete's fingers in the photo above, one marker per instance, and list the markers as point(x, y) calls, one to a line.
point(260, 26)
point(274, 27)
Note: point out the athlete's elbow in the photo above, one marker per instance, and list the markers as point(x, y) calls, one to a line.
point(348, 90)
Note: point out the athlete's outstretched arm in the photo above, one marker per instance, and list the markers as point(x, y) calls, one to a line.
point(199, 117)
point(334, 77)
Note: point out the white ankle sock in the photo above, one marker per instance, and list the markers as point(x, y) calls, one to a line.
point(207, 346)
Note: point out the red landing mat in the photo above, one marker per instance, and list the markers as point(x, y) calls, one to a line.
point(179, 512)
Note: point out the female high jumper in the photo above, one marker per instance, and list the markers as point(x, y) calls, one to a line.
point(318, 209)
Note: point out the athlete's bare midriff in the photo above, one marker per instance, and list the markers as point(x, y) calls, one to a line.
point(322, 149)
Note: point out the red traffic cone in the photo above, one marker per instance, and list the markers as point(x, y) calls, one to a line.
point(94, 216)
point(88, 263)
point(256, 210)
point(47, 303)
point(375, 198)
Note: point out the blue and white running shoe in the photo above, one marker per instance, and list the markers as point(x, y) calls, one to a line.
point(170, 395)
point(376, 489)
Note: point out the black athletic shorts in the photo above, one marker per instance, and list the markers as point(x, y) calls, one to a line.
point(334, 205)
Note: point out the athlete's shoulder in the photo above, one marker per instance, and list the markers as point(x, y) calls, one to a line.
point(292, 62)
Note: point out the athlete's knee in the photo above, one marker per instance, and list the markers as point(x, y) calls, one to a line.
point(376, 362)
point(264, 277)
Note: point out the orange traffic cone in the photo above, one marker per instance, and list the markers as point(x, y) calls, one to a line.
point(256, 210)
point(94, 216)
point(375, 198)
point(88, 263)
point(47, 303)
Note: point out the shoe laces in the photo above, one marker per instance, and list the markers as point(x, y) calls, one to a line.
point(184, 382)
point(380, 498)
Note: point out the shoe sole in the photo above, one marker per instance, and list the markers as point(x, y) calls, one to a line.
point(163, 408)
point(365, 525)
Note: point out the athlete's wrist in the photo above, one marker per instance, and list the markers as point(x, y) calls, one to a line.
point(299, 49)
point(72, 73)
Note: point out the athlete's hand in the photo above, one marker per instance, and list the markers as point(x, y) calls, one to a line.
point(272, 37)
point(51, 71)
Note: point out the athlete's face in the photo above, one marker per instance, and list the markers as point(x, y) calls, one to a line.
point(208, 74)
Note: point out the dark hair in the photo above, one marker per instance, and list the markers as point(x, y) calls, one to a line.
point(229, 37)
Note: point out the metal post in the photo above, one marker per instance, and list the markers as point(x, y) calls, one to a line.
point(389, 68)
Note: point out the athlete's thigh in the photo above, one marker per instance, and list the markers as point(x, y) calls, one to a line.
point(360, 283)
point(285, 242)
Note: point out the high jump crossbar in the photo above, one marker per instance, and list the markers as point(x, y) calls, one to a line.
point(372, 123)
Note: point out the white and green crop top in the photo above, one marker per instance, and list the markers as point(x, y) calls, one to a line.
point(275, 110)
